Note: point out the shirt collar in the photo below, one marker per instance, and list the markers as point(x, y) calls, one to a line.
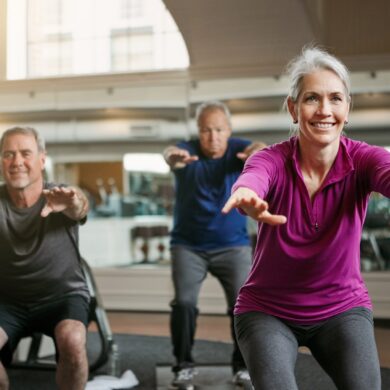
point(341, 167)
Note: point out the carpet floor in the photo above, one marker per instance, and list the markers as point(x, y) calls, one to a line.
point(141, 354)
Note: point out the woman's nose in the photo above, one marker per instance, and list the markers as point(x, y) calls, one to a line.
point(324, 107)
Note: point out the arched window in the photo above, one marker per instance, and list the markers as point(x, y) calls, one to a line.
point(73, 37)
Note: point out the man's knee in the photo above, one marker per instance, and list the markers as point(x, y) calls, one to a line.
point(71, 340)
point(183, 304)
point(4, 381)
point(183, 309)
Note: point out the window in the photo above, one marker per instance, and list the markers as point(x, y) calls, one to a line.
point(132, 49)
point(70, 37)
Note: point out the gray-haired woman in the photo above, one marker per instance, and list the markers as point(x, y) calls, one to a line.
point(310, 196)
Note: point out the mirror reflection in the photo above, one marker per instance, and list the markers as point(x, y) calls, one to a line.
point(375, 244)
point(131, 211)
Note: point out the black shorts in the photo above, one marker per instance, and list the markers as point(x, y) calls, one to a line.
point(19, 321)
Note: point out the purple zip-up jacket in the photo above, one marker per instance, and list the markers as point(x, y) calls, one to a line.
point(308, 269)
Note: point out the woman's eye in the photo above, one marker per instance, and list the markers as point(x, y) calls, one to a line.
point(311, 98)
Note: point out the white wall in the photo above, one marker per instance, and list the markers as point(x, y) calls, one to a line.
point(149, 288)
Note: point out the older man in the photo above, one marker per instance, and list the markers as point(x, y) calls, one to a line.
point(203, 239)
point(42, 287)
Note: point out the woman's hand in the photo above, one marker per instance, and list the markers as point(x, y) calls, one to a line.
point(257, 208)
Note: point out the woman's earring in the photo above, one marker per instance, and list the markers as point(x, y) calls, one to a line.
point(295, 121)
point(345, 122)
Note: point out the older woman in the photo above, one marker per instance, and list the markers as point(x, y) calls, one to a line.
point(309, 195)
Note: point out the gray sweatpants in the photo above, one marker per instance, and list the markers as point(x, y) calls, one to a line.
point(343, 345)
point(189, 269)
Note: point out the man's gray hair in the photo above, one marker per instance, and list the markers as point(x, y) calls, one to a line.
point(311, 59)
point(26, 131)
point(211, 106)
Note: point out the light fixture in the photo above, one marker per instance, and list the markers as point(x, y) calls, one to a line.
point(145, 162)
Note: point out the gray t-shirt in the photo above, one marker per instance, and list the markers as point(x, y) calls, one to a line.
point(38, 256)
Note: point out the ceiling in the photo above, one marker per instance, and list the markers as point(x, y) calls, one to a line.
point(238, 52)
point(227, 38)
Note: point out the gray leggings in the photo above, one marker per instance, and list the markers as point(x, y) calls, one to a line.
point(343, 345)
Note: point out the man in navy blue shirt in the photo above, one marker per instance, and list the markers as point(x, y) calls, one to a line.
point(203, 239)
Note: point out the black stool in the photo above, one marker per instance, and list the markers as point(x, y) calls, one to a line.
point(146, 233)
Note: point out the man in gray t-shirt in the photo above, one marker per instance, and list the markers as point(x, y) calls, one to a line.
point(42, 287)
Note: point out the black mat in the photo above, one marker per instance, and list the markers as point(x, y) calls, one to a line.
point(142, 354)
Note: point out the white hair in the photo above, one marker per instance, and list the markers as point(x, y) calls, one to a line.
point(311, 59)
point(211, 106)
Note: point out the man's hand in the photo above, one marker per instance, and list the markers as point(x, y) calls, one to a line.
point(178, 158)
point(250, 149)
point(69, 200)
point(255, 207)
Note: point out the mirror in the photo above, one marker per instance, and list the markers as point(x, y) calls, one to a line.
point(131, 211)
point(375, 243)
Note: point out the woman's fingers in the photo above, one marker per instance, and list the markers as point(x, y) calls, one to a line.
point(253, 206)
point(230, 204)
point(271, 219)
point(244, 197)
